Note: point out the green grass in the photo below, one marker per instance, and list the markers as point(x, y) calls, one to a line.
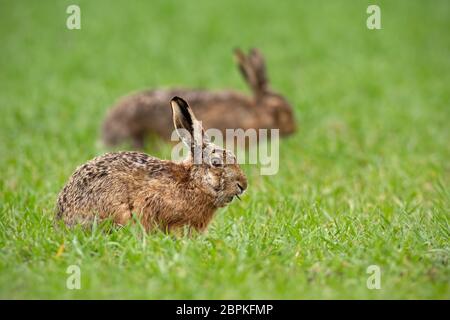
point(364, 181)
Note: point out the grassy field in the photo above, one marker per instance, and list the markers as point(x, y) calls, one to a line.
point(365, 180)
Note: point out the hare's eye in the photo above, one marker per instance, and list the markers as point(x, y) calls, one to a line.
point(216, 162)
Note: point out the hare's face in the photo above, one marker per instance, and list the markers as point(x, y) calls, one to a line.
point(277, 111)
point(281, 113)
point(220, 175)
point(214, 170)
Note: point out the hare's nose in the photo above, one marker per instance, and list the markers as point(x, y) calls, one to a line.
point(242, 186)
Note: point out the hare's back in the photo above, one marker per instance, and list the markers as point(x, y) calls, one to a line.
point(108, 179)
point(106, 185)
point(127, 164)
point(217, 109)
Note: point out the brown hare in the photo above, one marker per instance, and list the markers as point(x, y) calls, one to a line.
point(162, 193)
point(144, 113)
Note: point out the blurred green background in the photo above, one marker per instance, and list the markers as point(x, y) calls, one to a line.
point(364, 181)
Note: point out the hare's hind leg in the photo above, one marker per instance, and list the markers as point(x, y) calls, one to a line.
point(122, 214)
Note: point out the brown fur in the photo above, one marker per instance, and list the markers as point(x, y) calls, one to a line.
point(161, 193)
point(138, 115)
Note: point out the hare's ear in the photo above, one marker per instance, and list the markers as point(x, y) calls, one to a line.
point(246, 69)
point(188, 128)
point(259, 66)
point(249, 72)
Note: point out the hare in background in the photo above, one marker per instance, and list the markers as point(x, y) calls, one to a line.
point(144, 113)
point(162, 193)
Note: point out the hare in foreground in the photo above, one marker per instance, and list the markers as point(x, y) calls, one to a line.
point(162, 193)
point(138, 115)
